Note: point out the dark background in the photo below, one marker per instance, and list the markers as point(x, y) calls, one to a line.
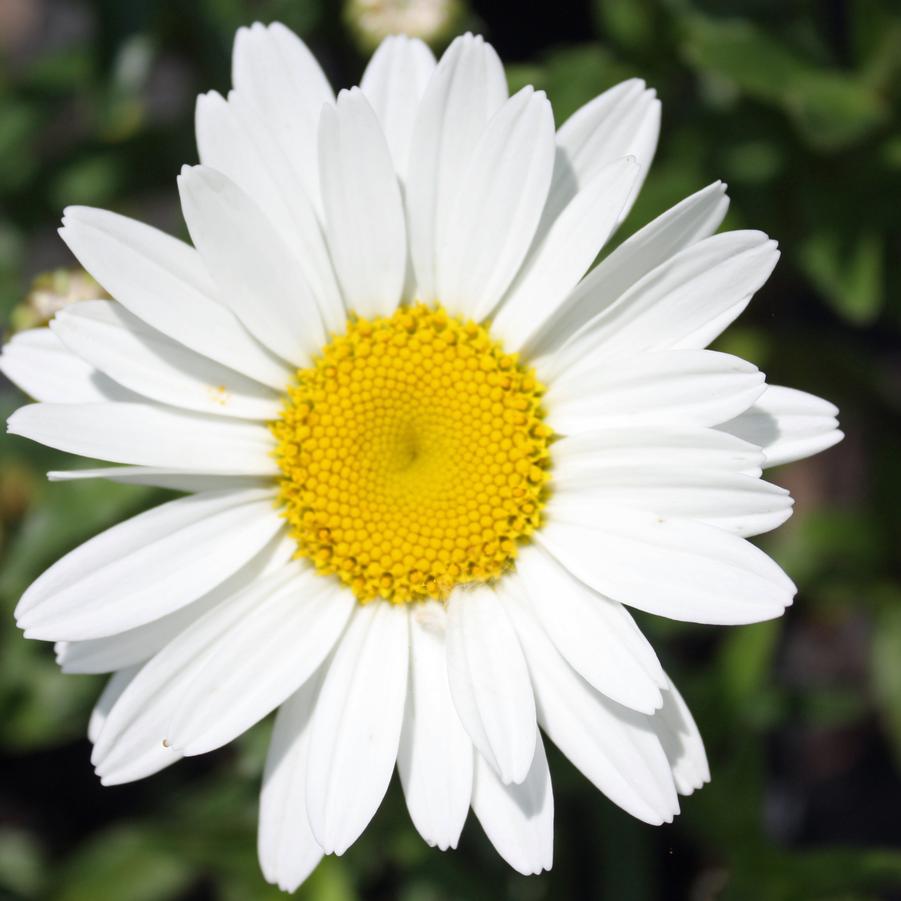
point(795, 105)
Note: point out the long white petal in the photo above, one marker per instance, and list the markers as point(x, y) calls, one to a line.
point(253, 669)
point(235, 139)
point(467, 88)
point(275, 70)
point(595, 635)
point(148, 566)
point(614, 747)
point(45, 369)
point(286, 847)
point(518, 819)
point(124, 649)
point(164, 282)
point(257, 276)
point(562, 252)
point(394, 82)
point(134, 740)
point(681, 742)
point(149, 435)
point(689, 221)
point(161, 477)
point(435, 757)
point(500, 198)
point(364, 216)
point(674, 387)
point(357, 724)
point(672, 567)
point(734, 501)
point(148, 362)
point(489, 681)
point(787, 425)
point(112, 691)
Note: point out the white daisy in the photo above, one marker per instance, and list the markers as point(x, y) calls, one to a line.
point(427, 459)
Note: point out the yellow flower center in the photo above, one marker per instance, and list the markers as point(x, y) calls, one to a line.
point(413, 456)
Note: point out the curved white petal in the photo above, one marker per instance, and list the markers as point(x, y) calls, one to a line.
point(45, 369)
point(134, 740)
point(258, 277)
point(112, 691)
point(673, 387)
point(467, 88)
point(357, 724)
point(364, 216)
point(394, 82)
point(149, 435)
point(124, 649)
point(738, 503)
point(233, 138)
point(275, 71)
point(681, 742)
point(489, 681)
point(691, 220)
point(161, 477)
point(500, 197)
point(148, 566)
point(614, 747)
point(787, 425)
point(252, 669)
point(164, 282)
point(595, 635)
point(435, 757)
point(658, 445)
point(562, 252)
point(146, 361)
point(680, 304)
point(672, 567)
point(286, 847)
point(518, 819)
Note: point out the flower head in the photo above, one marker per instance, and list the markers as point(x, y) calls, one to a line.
point(428, 453)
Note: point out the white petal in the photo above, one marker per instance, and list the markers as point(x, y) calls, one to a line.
point(252, 669)
point(275, 70)
point(595, 635)
point(489, 681)
point(149, 435)
point(161, 477)
point(614, 747)
point(364, 214)
point(163, 281)
point(689, 221)
point(682, 742)
point(133, 743)
point(562, 252)
point(287, 850)
point(357, 723)
point(147, 362)
point(103, 655)
point(738, 503)
point(657, 445)
point(675, 568)
point(112, 691)
point(787, 424)
point(45, 369)
point(518, 819)
point(148, 566)
point(675, 387)
point(258, 277)
point(435, 757)
point(623, 121)
point(233, 138)
point(467, 88)
point(500, 197)
point(394, 82)
point(680, 304)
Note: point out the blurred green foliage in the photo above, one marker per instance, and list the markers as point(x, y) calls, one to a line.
point(796, 106)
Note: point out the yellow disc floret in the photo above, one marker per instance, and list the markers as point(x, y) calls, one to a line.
point(413, 455)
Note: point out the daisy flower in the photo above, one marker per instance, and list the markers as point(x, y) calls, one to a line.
point(429, 456)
